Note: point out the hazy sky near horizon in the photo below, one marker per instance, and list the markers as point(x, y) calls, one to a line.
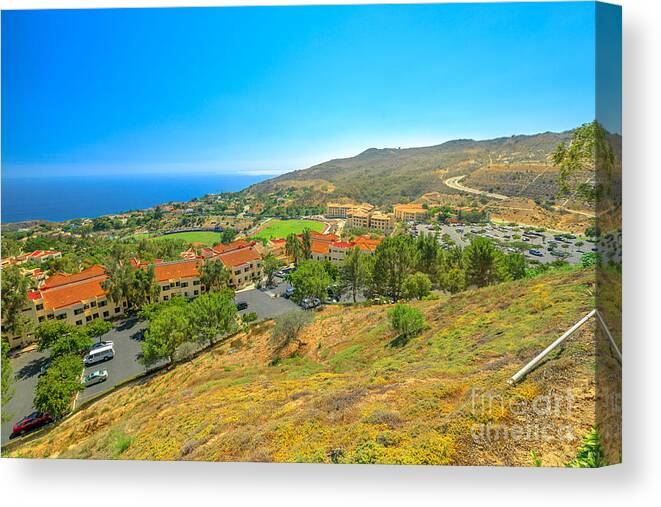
point(267, 90)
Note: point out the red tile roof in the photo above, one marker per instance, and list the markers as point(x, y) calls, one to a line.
point(239, 257)
point(165, 271)
point(320, 247)
point(69, 294)
point(234, 245)
point(343, 244)
point(365, 243)
point(59, 279)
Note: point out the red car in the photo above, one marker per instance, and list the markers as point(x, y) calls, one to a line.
point(32, 422)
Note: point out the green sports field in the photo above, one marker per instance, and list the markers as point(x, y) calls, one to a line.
point(282, 228)
point(205, 237)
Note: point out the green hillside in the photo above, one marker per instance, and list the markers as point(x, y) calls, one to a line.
point(389, 175)
point(347, 394)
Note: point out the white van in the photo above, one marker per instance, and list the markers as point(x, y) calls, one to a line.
point(99, 354)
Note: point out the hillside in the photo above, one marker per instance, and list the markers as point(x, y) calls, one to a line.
point(350, 396)
point(389, 175)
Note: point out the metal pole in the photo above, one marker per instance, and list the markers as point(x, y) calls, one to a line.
point(523, 371)
point(610, 336)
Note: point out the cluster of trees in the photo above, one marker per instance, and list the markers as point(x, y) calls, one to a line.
point(180, 322)
point(58, 386)
point(406, 268)
point(137, 287)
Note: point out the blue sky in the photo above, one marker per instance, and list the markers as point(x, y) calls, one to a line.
point(277, 89)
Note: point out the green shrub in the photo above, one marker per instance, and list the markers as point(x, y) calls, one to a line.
point(407, 321)
point(590, 454)
point(250, 317)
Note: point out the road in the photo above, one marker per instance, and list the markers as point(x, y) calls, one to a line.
point(455, 184)
point(127, 338)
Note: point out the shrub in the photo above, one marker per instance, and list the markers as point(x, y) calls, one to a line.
point(407, 321)
point(590, 454)
point(250, 317)
point(287, 328)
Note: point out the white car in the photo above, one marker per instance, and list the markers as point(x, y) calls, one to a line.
point(96, 377)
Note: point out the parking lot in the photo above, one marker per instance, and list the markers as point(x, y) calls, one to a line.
point(126, 337)
point(544, 242)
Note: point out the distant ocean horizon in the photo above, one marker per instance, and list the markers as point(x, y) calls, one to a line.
point(58, 198)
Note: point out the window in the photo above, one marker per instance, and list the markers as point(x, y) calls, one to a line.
point(184, 284)
point(79, 322)
point(176, 284)
point(106, 314)
point(165, 298)
point(165, 287)
point(196, 292)
point(88, 318)
point(103, 303)
point(51, 316)
point(78, 311)
point(42, 318)
point(196, 282)
point(117, 309)
point(237, 272)
point(95, 316)
point(39, 307)
point(93, 304)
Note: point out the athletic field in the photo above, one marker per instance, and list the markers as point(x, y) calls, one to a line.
point(282, 228)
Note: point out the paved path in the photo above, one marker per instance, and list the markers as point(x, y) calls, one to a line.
point(455, 184)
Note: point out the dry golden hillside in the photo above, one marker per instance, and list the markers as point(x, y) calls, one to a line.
point(351, 396)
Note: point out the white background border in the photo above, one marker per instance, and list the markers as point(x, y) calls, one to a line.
point(636, 482)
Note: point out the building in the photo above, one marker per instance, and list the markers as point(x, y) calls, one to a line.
point(410, 212)
point(341, 210)
point(74, 298)
point(244, 264)
point(178, 278)
point(38, 256)
point(382, 222)
point(358, 219)
point(338, 250)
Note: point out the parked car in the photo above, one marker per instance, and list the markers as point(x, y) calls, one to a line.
point(97, 355)
point(288, 292)
point(535, 252)
point(96, 377)
point(309, 303)
point(31, 422)
point(241, 305)
point(100, 344)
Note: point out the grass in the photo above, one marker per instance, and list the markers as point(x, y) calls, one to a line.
point(282, 228)
point(346, 397)
point(205, 237)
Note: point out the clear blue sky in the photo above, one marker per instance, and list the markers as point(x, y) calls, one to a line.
point(277, 89)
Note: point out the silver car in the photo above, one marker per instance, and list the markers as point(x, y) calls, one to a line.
point(96, 377)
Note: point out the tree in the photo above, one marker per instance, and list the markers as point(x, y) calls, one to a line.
point(62, 338)
point(227, 236)
point(212, 314)
point(270, 264)
point(7, 379)
point(453, 280)
point(428, 251)
point(97, 328)
point(293, 248)
point(214, 275)
point(588, 149)
point(480, 260)
point(310, 280)
point(416, 286)
point(407, 321)
point(14, 296)
point(288, 328)
point(355, 272)
point(394, 258)
point(56, 389)
point(119, 285)
point(167, 331)
point(516, 265)
point(144, 287)
point(306, 244)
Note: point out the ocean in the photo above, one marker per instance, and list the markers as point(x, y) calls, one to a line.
point(65, 197)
